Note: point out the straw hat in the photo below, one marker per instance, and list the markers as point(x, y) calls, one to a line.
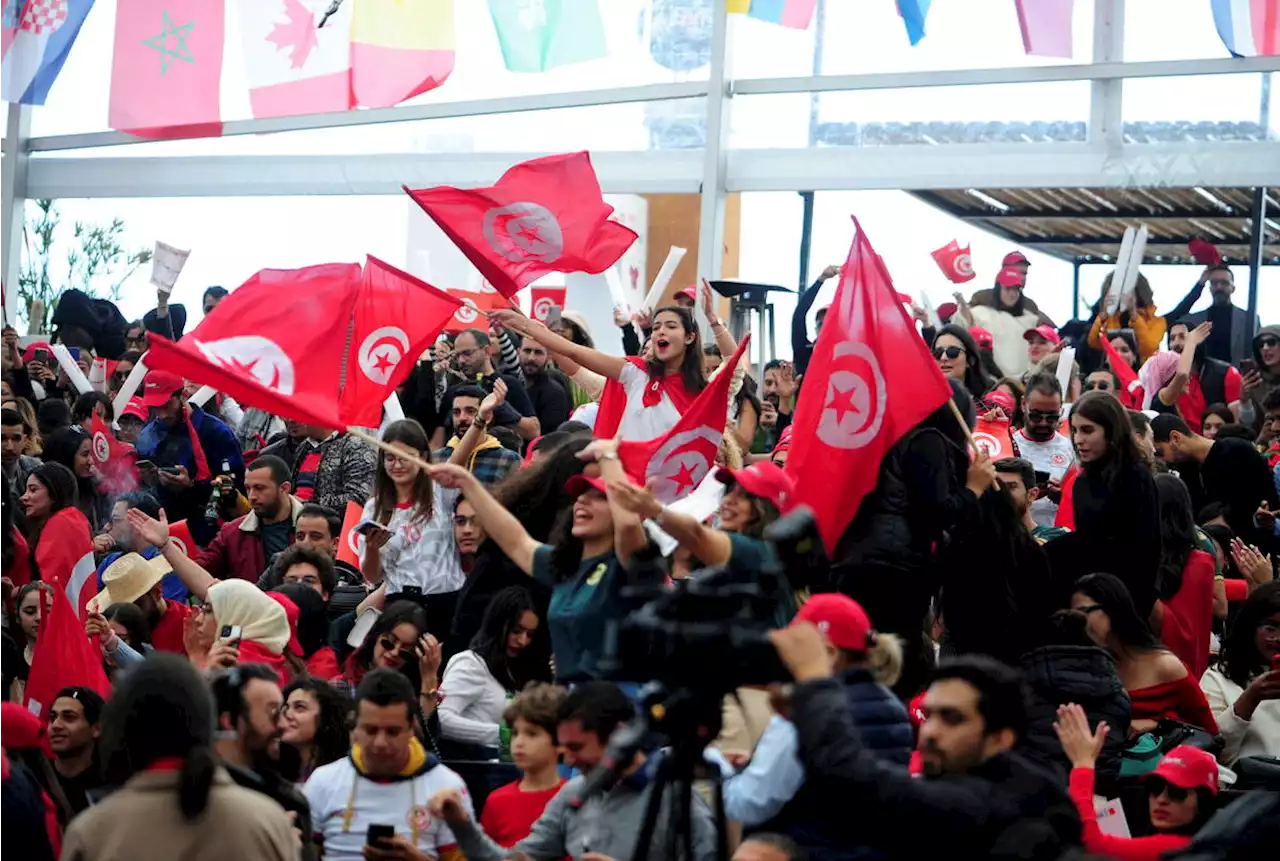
point(128, 579)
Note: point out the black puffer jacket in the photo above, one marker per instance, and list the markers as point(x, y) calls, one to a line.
point(1086, 676)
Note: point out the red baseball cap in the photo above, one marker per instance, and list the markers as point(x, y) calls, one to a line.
point(581, 483)
point(690, 293)
point(1189, 767)
point(1044, 330)
point(29, 353)
point(1000, 399)
point(1011, 276)
point(136, 408)
point(291, 613)
point(947, 310)
point(984, 339)
point(784, 440)
point(159, 386)
point(1015, 258)
point(840, 619)
point(764, 479)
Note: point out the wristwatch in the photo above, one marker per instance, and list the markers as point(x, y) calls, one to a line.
point(608, 455)
point(481, 423)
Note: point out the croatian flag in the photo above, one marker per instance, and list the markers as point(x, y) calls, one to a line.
point(37, 36)
point(1249, 28)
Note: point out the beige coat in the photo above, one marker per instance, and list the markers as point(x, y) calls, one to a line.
point(142, 822)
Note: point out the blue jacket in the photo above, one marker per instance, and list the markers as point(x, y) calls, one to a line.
point(771, 794)
point(166, 445)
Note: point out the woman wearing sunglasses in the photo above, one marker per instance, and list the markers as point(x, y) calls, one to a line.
point(957, 355)
point(1180, 792)
point(399, 641)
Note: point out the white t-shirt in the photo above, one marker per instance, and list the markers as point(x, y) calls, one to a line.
point(640, 423)
point(398, 803)
point(1054, 456)
point(422, 551)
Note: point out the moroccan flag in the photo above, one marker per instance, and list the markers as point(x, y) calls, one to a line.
point(876, 381)
point(63, 656)
point(542, 298)
point(473, 302)
point(535, 37)
point(64, 556)
point(37, 37)
point(677, 461)
point(1046, 27)
point(397, 317)
point(544, 215)
point(291, 66)
point(167, 68)
point(399, 49)
point(993, 438)
point(275, 343)
point(114, 459)
point(350, 543)
point(955, 262)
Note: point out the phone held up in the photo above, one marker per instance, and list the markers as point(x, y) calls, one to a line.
point(377, 835)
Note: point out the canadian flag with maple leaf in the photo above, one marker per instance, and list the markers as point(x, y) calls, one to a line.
point(292, 66)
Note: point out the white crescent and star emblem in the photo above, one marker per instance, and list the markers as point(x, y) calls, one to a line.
point(855, 399)
point(180, 544)
point(523, 232)
point(542, 308)
point(681, 463)
point(963, 263)
point(355, 541)
point(101, 447)
point(254, 356)
point(381, 351)
point(986, 443)
point(467, 312)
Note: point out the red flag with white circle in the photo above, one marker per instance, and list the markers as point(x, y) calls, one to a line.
point(955, 262)
point(542, 298)
point(474, 304)
point(351, 542)
point(994, 439)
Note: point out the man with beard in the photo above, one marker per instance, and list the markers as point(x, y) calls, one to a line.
point(124, 542)
point(473, 363)
point(244, 547)
point(73, 738)
point(1233, 331)
point(1040, 442)
point(1019, 477)
point(490, 462)
point(550, 396)
point(1207, 380)
point(134, 580)
point(247, 699)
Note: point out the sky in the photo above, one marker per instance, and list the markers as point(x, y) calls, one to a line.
point(231, 238)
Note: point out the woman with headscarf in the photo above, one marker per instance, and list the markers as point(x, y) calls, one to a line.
point(263, 628)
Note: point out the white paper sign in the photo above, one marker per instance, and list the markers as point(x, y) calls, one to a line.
point(98, 374)
point(72, 370)
point(132, 383)
point(166, 265)
point(934, 320)
point(703, 502)
point(665, 274)
point(1111, 818)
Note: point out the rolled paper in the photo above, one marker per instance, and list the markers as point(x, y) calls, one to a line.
point(674, 256)
point(202, 396)
point(71, 369)
point(132, 383)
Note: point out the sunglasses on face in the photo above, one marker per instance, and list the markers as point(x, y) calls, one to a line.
point(1099, 386)
point(1269, 343)
point(1158, 786)
point(949, 352)
point(1039, 416)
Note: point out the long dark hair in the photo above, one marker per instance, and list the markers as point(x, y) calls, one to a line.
point(1239, 659)
point(1130, 629)
point(313, 621)
point(15, 631)
point(394, 614)
point(62, 446)
point(333, 736)
point(1177, 534)
point(133, 620)
point(691, 365)
point(60, 482)
point(409, 432)
point(490, 642)
point(763, 513)
point(1104, 410)
point(976, 378)
point(535, 495)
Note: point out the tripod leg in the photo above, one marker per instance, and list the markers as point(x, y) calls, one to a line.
point(651, 811)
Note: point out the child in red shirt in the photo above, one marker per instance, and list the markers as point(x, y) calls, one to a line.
point(511, 810)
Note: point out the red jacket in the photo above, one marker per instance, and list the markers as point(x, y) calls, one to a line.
point(237, 550)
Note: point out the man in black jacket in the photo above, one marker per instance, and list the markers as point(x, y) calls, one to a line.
point(978, 799)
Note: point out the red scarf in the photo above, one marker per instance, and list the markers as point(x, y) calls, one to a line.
point(613, 403)
point(256, 653)
point(323, 664)
point(197, 450)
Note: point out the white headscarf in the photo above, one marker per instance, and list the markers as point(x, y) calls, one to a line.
point(261, 619)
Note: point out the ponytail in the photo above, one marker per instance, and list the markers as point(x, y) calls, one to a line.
point(884, 659)
point(195, 779)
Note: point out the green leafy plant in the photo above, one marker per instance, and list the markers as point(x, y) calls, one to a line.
point(96, 262)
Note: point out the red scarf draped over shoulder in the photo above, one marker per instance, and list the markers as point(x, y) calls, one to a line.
point(614, 405)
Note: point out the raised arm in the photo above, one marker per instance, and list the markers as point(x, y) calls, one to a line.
point(500, 524)
point(1182, 375)
point(156, 533)
point(594, 360)
point(476, 432)
point(709, 545)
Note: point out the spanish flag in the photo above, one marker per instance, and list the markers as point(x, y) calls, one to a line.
point(399, 48)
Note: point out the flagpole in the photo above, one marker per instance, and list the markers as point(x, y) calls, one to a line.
point(968, 434)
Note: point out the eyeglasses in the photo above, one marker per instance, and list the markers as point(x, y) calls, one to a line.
point(467, 354)
point(1157, 786)
point(1041, 416)
point(949, 352)
point(1269, 343)
point(395, 460)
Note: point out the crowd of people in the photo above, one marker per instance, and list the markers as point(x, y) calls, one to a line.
point(314, 647)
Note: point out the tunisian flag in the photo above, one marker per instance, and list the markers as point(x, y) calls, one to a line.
point(955, 262)
point(545, 215)
point(167, 68)
point(877, 381)
point(471, 304)
point(993, 439)
point(351, 542)
point(114, 459)
point(677, 461)
point(542, 298)
point(65, 556)
point(397, 317)
point(275, 343)
point(63, 656)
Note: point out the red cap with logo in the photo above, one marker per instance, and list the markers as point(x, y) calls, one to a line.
point(136, 408)
point(690, 293)
point(784, 440)
point(1015, 258)
point(1044, 330)
point(840, 619)
point(1011, 276)
point(581, 483)
point(1003, 400)
point(1189, 767)
point(984, 339)
point(159, 386)
point(764, 479)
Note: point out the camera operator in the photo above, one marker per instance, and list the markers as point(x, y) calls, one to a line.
point(607, 824)
point(978, 797)
point(586, 567)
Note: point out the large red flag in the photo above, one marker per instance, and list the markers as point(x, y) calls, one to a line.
point(63, 656)
point(114, 459)
point(876, 381)
point(397, 317)
point(472, 304)
point(545, 215)
point(677, 461)
point(64, 555)
point(276, 342)
point(167, 68)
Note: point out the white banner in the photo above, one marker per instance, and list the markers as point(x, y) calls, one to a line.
point(72, 370)
point(132, 383)
point(166, 265)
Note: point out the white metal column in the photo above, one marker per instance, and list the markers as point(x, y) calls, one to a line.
point(716, 154)
point(1106, 118)
point(13, 194)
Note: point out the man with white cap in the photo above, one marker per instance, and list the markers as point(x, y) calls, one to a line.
point(134, 580)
